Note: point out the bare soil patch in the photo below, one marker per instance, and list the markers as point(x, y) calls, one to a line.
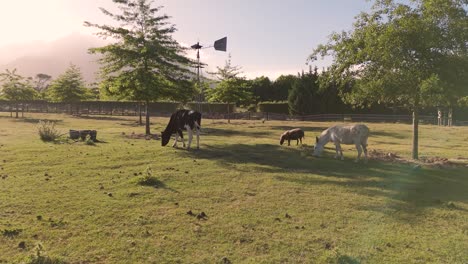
point(133, 135)
point(380, 155)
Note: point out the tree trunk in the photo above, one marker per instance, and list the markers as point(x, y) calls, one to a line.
point(415, 134)
point(229, 114)
point(16, 106)
point(148, 132)
point(139, 111)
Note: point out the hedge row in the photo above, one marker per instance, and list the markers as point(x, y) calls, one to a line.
point(274, 107)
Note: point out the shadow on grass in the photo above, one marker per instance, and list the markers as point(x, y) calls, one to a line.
point(151, 181)
point(310, 129)
point(408, 188)
point(103, 118)
point(232, 132)
point(32, 120)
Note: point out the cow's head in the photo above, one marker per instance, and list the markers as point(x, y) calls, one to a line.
point(165, 137)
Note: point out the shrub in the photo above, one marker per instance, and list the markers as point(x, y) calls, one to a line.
point(47, 131)
point(274, 107)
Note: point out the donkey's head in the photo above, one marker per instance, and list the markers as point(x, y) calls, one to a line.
point(318, 147)
point(282, 138)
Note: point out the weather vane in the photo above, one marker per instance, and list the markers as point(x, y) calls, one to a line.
point(221, 45)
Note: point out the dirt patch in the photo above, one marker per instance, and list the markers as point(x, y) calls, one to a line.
point(379, 155)
point(133, 135)
point(441, 162)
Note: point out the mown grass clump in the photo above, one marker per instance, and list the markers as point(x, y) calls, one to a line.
point(11, 232)
point(147, 178)
point(39, 256)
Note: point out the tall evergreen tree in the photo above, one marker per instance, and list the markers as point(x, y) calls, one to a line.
point(68, 87)
point(302, 97)
point(282, 86)
point(231, 87)
point(262, 89)
point(145, 62)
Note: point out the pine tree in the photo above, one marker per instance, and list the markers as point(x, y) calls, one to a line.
point(144, 63)
point(68, 87)
point(302, 98)
point(231, 88)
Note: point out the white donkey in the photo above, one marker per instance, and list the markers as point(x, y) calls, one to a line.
point(352, 134)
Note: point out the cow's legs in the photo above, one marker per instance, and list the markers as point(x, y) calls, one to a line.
point(359, 150)
point(289, 142)
point(190, 137)
point(198, 137)
point(182, 137)
point(175, 141)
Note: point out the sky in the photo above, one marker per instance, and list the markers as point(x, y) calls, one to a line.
point(265, 37)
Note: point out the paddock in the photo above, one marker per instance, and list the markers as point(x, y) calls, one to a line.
point(261, 202)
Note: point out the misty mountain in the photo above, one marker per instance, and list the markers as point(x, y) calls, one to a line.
point(52, 58)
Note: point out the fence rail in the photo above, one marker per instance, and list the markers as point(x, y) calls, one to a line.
point(327, 117)
point(217, 111)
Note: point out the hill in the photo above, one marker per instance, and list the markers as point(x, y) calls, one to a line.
point(52, 58)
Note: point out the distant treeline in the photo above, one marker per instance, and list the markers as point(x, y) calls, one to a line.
point(110, 107)
point(165, 108)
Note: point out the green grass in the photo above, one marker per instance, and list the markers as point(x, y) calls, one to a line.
point(100, 204)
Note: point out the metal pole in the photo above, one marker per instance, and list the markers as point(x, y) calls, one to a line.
point(198, 79)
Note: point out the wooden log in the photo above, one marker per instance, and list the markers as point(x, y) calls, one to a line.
point(76, 134)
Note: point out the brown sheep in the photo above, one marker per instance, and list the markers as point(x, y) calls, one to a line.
point(292, 134)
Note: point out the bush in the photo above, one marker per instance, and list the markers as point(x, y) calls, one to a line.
point(47, 131)
point(274, 107)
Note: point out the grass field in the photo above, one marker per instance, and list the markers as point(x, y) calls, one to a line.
point(264, 203)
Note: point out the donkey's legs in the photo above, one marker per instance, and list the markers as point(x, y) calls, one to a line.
point(339, 151)
point(359, 150)
point(364, 146)
point(297, 142)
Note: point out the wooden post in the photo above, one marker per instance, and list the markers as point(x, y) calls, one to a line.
point(415, 134)
point(229, 113)
point(139, 112)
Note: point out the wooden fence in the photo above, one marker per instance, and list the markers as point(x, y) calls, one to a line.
point(210, 111)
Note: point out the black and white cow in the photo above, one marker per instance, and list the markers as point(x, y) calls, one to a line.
point(182, 120)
